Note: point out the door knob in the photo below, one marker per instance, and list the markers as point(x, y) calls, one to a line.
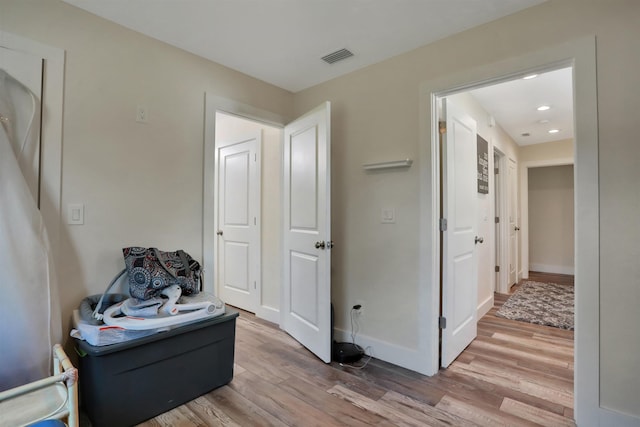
point(479, 240)
point(517, 228)
point(219, 232)
point(320, 245)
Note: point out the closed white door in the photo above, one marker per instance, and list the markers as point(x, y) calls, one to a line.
point(26, 69)
point(306, 303)
point(238, 233)
point(513, 222)
point(459, 204)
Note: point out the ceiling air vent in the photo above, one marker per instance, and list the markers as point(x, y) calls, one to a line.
point(336, 56)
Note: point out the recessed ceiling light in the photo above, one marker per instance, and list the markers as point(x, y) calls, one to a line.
point(543, 121)
point(554, 130)
point(543, 108)
point(530, 76)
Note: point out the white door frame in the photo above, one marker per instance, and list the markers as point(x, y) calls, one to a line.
point(524, 204)
point(581, 55)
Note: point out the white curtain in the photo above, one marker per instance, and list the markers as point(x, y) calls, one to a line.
point(29, 309)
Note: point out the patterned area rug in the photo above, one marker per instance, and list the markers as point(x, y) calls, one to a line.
point(546, 304)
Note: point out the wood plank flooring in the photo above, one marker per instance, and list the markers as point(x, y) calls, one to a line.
point(513, 374)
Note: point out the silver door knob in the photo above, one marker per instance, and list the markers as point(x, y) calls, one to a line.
point(320, 245)
point(479, 240)
point(219, 232)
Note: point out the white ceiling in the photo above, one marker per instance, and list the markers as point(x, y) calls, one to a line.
point(282, 41)
point(514, 106)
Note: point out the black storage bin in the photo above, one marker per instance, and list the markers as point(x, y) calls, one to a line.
point(127, 383)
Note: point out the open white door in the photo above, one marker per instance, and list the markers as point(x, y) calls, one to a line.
point(238, 233)
point(306, 301)
point(459, 204)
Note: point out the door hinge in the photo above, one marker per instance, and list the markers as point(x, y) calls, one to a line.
point(255, 285)
point(496, 171)
point(497, 220)
point(497, 269)
point(443, 224)
point(255, 157)
point(442, 126)
point(442, 322)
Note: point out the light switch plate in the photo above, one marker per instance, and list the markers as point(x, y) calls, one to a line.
point(75, 214)
point(388, 216)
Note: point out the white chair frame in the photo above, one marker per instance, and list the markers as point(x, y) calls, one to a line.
point(15, 401)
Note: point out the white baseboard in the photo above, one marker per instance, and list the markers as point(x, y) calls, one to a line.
point(269, 314)
point(556, 269)
point(398, 355)
point(608, 417)
point(485, 306)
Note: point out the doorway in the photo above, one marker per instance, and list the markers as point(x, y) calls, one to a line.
point(527, 166)
point(299, 209)
point(580, 55)
point(247, 237)
point(503, 128)
point(239, 189)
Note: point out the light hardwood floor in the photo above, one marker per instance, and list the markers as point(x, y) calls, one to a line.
point(513, 374)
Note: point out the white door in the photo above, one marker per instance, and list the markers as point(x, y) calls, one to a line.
point(513, 224)
point(238, 233)
point(459, 204)
point(306, 302)
point(27, 69)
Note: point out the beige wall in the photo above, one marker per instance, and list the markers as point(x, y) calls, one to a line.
point(562, 149)
point(551, 222)
point(551, 153)
point(141, 184)
point(376, 116)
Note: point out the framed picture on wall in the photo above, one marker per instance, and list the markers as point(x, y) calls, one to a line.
point(483, 165)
